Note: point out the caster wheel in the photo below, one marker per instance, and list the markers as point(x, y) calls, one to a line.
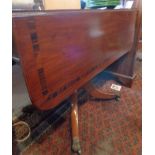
point(76, 146)
point(117, 98)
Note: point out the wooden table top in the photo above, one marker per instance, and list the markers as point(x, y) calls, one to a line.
point(60, 51)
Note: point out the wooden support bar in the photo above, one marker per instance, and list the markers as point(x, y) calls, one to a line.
point(123, 79)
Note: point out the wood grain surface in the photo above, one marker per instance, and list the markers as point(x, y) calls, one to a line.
point(124, 68)
point(60, 51)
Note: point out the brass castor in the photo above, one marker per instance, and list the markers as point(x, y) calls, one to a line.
point(117, 98)
point(76, 146)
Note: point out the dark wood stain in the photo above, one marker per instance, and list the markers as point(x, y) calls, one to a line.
point(42, 79)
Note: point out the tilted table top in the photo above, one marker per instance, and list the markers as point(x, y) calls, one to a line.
point(60, 51)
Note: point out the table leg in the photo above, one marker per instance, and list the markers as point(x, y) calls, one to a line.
point(74, 124)
point(97, 94)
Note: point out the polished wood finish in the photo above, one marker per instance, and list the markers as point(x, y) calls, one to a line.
point(95, 93)
point(74, 124)
point(138, 6)
point(62, 50)
point(123, 79)
point(125, 65)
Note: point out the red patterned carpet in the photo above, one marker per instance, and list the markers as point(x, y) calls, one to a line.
point(106, 127)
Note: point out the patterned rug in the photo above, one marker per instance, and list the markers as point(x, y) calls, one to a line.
point(106, 127)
